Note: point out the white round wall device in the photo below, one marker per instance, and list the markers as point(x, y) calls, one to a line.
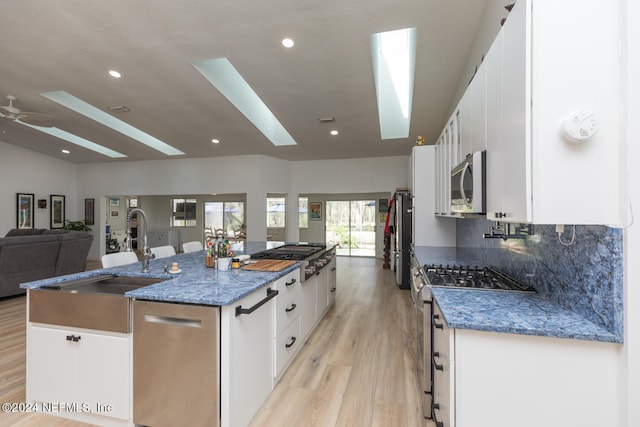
point(579, 126)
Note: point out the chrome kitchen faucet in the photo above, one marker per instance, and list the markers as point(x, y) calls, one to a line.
point(147, 255)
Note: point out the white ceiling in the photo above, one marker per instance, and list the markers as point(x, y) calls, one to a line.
point(70, 45)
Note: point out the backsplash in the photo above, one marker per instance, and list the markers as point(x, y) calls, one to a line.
point(584, 277)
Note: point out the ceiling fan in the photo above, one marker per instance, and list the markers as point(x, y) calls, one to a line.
point(12, 113)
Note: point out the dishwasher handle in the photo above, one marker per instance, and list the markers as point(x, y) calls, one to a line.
point(271, 293)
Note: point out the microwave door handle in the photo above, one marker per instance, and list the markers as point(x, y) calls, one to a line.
point(464, 196)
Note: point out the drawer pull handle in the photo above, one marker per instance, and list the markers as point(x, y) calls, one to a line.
point(333, 290)
point(289, 310)
point(74, 338)
point(291, 282)
point(293, 341)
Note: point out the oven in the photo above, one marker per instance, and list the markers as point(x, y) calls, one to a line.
point(423, 306)
point(466, 278)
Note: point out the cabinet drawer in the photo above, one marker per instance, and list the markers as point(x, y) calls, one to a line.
point(290, 282)
point(288, 307)
point(287, 343)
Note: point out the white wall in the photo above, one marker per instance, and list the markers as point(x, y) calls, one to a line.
point(630, 375)
point(25, 171)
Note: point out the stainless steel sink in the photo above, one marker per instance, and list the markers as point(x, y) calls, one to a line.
point(96, 302)
point(109, 284)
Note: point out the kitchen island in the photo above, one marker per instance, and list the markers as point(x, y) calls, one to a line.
point(247, 319)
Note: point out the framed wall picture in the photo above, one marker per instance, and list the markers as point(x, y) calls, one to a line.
point(315, 211)
point(114, 213)
point(89, 211)
point(24, 210)
point(57, 217)
point(114, 202)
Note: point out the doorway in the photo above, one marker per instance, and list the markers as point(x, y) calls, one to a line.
point(351, 224)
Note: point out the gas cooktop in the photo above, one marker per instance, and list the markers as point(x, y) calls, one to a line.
point(489, 278)
point(297, 252)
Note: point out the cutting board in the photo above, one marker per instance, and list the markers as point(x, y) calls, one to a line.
point(268, 265)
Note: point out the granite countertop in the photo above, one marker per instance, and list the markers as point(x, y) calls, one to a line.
point(508, 312)
point(196, 284)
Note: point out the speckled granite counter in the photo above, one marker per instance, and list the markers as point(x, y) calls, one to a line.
point(508, 312)
point(196, 284)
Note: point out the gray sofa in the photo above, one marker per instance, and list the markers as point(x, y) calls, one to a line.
point(27, 255)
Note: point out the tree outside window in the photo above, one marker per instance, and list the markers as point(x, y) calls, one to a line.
point(276, 212)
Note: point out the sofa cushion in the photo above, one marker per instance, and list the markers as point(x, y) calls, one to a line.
point(72, 254)
point(25, 232)
point(24, 259)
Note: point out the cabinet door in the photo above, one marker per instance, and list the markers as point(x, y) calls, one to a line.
point(478, 89)
point(308, 310)
point(465, 119)
point(332, 282)
point(247, 362)
point(322, 301)
point(51, 365)
point(516, 107)
point(111, 383)
point(495, 158)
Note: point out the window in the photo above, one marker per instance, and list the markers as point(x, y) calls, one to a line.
point(303, 212)
point(184, 213)
point(228, 216)
point(276, 211)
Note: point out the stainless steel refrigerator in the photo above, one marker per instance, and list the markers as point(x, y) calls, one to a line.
point(402, 239)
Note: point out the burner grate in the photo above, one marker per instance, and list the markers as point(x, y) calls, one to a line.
point(473, 278)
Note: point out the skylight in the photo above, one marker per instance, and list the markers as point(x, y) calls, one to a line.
point(393, 54)
point(74, 139)
point(79, 106)
point(224, 77)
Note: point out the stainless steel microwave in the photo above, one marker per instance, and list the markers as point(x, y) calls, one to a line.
point(468, 181)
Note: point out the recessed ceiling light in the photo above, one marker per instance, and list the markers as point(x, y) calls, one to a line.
point(288, 43)
point(334, 132)
point(66, 151)
point(114, 73)
point(215, 141)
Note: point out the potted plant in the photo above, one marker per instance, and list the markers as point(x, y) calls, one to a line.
point(75, 225)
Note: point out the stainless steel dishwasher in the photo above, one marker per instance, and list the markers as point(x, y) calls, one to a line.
point(176, 378)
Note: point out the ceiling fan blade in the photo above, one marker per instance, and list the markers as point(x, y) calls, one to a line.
point(36, 119)
point(34, 116)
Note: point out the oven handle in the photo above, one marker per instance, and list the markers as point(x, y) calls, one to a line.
point(436, 324)
point(436, 408)
point(435, 364)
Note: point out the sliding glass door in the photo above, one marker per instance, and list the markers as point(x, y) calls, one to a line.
point(351, 225)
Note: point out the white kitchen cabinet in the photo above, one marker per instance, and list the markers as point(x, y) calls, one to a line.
point(287, 333)
point(308, 314)
point(478, 92)
point(332, 281)
point(91, 370)
point(545, 179)
point(495, 155)
point(322, 291)
point(427, 228)
point(491, 379)
point(454, 141)
point(246, 357)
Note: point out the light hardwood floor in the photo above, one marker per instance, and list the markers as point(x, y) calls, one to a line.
point(357, 369)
